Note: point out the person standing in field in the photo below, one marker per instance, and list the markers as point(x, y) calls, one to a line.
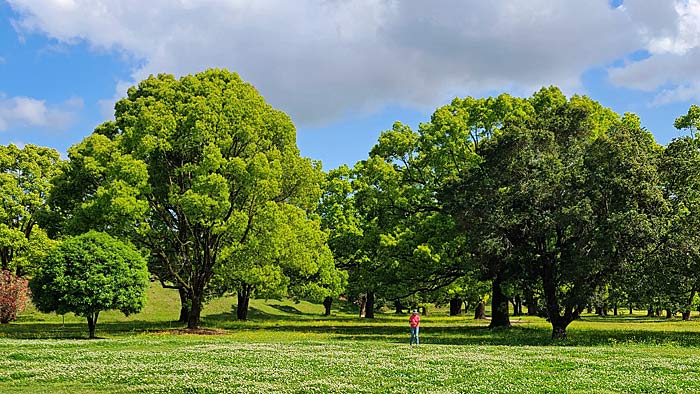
point(414, 321)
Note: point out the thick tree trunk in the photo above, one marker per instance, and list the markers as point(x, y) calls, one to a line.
point(669, 313)
point(455, 307)
point(631, 309)
point(650, 311)
point(658, 312)
point(92, 322)
point(589, 309)
point(369, 306)
point(559, 330)
point(243, 301)
point(559, 321)
point(195, 312)
point(398, 307)
point(686, 315)
point(184, 305)
point(480, 311)
point(327, 303)
point(499, 305)
point(615, 310)
point(424, 310)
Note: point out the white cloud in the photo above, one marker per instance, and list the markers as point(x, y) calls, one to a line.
point(318, 59)
point(17, 112)
point(672, 67)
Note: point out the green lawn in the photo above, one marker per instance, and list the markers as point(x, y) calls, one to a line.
point(288, 347)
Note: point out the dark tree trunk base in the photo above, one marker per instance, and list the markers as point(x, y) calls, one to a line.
point(369, 306)
point(455, 307)
point(480, 311)
point(242, 306)
point(327, 303)
point(499, 306)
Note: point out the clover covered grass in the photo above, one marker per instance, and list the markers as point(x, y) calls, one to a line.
point(288, 347)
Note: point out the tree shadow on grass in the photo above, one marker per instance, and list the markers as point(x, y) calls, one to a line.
point(75, 330)
point(521, 335)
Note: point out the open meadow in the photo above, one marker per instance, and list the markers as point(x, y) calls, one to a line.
point(288, 347)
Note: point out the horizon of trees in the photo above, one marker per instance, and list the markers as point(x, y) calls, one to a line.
point(553, 203)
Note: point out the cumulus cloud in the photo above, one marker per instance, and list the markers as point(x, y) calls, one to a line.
point(30, 112)
point(318, 59)
point(671, 70)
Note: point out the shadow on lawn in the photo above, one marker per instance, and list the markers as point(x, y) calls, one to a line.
point(386, 328)
point(524, 335)
point(75, 330)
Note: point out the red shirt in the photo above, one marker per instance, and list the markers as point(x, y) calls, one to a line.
point(414, 320)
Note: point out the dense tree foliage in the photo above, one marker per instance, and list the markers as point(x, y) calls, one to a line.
point(88, 274)
point(25, 183)
point(204, 174)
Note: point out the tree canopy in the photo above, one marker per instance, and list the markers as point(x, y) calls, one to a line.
point(88, 274)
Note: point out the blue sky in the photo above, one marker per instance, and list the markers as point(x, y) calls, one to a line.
point(344, 70)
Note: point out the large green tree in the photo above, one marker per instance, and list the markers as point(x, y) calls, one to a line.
point(88, 274)
point(217, 157)
point(570, 194)
point(25, 183)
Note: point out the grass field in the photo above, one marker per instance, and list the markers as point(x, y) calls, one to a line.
point(288, 347)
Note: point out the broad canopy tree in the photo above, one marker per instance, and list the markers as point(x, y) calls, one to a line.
point(206, 160)
point(570, 195)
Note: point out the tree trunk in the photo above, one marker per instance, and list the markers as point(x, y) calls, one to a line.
point(559, 321)
point(184, 305)
point(92, 322)
point(195, 312)
point(480, 311)
point(327, 303)
point(424, 310)
point(362, 301)
point(689, 303)
point(243, 301)
point(559, 330)
point(658, 312)
point(589, 309)
point(455, 306)
point(615, 310)
point(369, 306)
point(650, 312)
point(398, 307)
point(631, 309)
point(669, 314)
point(532, 306)
point(499, 305)
point(518, 308)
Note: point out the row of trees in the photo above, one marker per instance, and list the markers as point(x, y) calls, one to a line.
point(550, 202)
point(201, 175)
point(558, 203)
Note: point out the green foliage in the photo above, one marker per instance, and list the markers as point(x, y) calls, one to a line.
point(568, 197)
point(99, 188)
point(223, 168)
point(90, 273)
point(25, 176)
point(689, 121)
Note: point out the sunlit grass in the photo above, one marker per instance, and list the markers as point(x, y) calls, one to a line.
point(292, 347)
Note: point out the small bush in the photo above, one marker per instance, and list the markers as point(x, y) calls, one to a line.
point(14, 296)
